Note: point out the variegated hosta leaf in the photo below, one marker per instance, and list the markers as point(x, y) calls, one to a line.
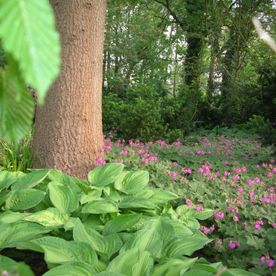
point(6, 179)
point(27, 31)
point(121, 223)
point(12, 234)
point(100, 207)
point(24, 199)
point(153, 237)
point(132, 262)
point(30, 180)
point(237, 272)
point(10, 217)
point(162, 197)
point(133, 202)
point(132, 182)
point(174, 267)
point(14, 268)
point(59, 251)
point(16, 104)
point(107, 245)
point(71, 269)
point(105, 175)
point(50, 217)
point(63, 197)
point(185, 246)
point(205, 214)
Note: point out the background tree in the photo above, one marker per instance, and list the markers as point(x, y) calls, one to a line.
point(68, 128)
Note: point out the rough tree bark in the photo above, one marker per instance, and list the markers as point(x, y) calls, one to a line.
point(68, 128)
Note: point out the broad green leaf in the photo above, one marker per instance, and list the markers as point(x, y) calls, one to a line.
point(63, 197)
point(153, 237)
point(24, 199)
point(198, 272)
point(107, 245)
point(59, 251)
point(237, 272)
point(16, 103)
point(185, 246)
point(6, 179)
point(100, 207)
point(10, 217)
point(30, 180)
point(93, 195)
point(50, 217)
point(105, 175)
point(173, 267)
point(12, 267)
point(27, 30)
point(71, 269)
point(109, 273)
point(133, 182)
point(162, 197)
point(205, 214)
point(12, 234)
point(121, 223)
point(179, 228)
point(133, 202)
point(132, 262)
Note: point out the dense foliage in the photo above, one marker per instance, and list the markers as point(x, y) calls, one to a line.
point(112, 224)
point(171, 66)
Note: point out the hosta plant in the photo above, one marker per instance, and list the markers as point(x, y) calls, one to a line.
point(111, 224)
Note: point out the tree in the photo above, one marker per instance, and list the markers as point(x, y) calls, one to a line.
point(68, 128)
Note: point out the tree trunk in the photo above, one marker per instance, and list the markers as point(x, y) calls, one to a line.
point(68, 129)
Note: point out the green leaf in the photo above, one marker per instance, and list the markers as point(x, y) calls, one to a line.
point(50, 217)
point(30, 180)
point(100, 207)
point(16, 104)
point(27, 30)
point(24, 199)
point(109, 273)
point(173, 267)
point(162, 197)
point(93, 195)
point(6, 179)
point(237, 272)
point(12, 267)
point(133, 202)
point(10, 217)
point(104, 244)
point(132, 182)
point(121, 223)
point(153, 237)
point(132, 262)
point(198, 272)
point(185, 246)
point(205, 214)
point(71, 269)
point(63, 197)
point(59, 251)
point(12, 234)
point(105, 175)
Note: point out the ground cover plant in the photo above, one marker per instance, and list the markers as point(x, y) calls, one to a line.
point(225, 171)
point(111, 224)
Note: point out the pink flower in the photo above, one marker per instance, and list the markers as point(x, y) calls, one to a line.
point(262, 260)
point(199, 208)
point(258, 224)
point(175, 164)
point(189, 203)
point(270, 263)
point(273, 225)
point(226, 173)
point(265, 200)
point(219, 215)
point(236, 218)
point(232, 245)
point(100, 162)
point(236, 177)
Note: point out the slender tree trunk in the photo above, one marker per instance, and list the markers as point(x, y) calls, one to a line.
point(68, 129)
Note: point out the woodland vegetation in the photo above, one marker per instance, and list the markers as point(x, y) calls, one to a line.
point(137, 137)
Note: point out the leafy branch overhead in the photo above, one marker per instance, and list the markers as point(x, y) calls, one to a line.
point(29, 38)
